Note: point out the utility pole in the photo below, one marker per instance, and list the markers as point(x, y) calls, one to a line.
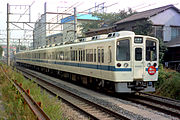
point(75, 24)
point(19, 45)
point(8, 48)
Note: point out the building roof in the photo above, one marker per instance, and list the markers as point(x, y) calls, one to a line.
point(147, 14)
point(174, 42)
point(54, 35)
point(79, 17)
point(101, 29)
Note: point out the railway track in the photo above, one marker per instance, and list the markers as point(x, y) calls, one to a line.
point(92, 110)
point(36, 109)
point(166, 105)
point(162, 104)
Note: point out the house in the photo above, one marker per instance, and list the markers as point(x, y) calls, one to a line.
point(104, 30)
point(54, 39)
point(165, 20)
point(172, 55)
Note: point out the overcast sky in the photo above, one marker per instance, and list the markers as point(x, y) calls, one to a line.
point(52, 5)
point(38, 6)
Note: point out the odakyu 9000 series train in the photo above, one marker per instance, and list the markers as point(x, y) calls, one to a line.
point(121, 61)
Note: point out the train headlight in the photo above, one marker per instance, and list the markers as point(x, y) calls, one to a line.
point(125, 64)
point(149, 64)
point(154, 64)
point(119, 64)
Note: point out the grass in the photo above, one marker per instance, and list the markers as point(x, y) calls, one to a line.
point(168, 84)
point(15, 109)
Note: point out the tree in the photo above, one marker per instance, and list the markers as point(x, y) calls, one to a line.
point(143, 27)
point(162, 50)
point(105, 19)
point(1, 50)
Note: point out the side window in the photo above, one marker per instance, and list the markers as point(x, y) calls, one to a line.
point(72, 55)
point(57, 56)
point(76, 55)
point(79, 55)
point(61, 55)
point(102, 55)
point(66, 55)
point(99, 53)
point(89, 55)
point(138, 54)
point(110, 54)
point(94, 55)
point(83, 55)
point(52, 55)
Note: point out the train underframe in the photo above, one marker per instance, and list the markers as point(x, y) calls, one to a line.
point(95, 83)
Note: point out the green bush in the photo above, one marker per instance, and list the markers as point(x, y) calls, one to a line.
point(168, 83)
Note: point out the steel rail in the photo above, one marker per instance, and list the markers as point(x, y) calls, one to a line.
point(36, 109)
point(159, 105)
point(100, 107)
point(161, 97)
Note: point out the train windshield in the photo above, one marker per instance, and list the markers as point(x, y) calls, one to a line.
point(123, 50)
point(151, 52)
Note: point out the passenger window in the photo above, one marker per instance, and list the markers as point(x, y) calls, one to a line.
point(86, 55)
point(61, 55)
point(99, 53)
point(83, 55)
point(72, 55)
point(89, 55)
point(102, 52)
point(94, 55)
point(110, 55)
point(76, 55)
point(79, 55)
point(138, 54)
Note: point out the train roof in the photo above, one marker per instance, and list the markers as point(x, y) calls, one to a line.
point(123, 35)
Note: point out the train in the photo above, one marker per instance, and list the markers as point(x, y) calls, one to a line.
point(121, 62)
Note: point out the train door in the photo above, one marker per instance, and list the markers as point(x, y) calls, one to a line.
point(80, 58)
point(100, 59)
point(138, 62)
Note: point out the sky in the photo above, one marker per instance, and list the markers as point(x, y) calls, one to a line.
point(61, 5)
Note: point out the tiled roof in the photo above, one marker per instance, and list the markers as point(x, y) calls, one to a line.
point(79, 17)
point(147, 14)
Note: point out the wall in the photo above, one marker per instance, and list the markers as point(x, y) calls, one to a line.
point(167, 18)
point(54, 39)
point(39, 32)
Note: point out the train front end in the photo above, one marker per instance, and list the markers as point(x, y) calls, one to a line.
point(137, 57)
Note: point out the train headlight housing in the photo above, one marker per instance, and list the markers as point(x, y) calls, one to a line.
point(154, 64)
point(119, 64)
point(149, 64)
point(125, 64)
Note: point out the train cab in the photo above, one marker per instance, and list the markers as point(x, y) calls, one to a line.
point(137, 56)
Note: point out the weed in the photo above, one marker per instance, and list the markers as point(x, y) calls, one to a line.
point(168, 83)
point(15, 107)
